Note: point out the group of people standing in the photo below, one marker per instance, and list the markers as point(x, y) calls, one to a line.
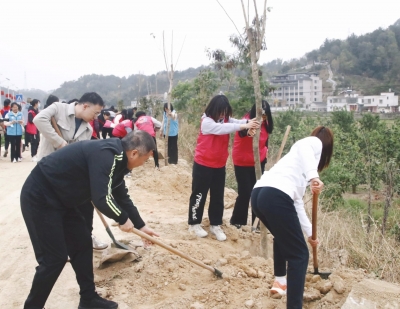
point(58, 197)
point(276, 198)
point(13, 123)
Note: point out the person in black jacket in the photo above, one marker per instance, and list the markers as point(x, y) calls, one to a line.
point(63, 182)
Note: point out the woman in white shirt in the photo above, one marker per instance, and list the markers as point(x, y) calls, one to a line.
point(277, 199)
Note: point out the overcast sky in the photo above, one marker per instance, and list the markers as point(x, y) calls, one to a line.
point(44, 43)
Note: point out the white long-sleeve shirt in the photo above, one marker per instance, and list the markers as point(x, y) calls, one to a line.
point(292, 174)
point(209, 126)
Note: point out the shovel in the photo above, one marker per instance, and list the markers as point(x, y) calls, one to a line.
point(314, 237)
point(116, 242)
point(215, 271)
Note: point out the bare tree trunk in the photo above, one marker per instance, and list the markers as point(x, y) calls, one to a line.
point(257, 92)
point(390, 170)
point(369, 208)
point(255, 37)
point(171, 83)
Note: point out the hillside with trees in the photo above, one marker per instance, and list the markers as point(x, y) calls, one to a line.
point(369, 63)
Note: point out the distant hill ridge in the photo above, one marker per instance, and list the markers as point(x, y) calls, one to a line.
point(369, 62)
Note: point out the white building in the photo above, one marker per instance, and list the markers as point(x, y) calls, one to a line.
point(301, 90)
point(386, 102)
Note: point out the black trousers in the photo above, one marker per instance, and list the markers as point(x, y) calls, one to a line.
point(276, 210)
point(34, 139)
point(173, 149)
point(56, 233)
point(246, 179)
point(155, 153)
point(203, 179)
point(15, 141)
point(105, 132)
point(6, 140)
point(27, 137)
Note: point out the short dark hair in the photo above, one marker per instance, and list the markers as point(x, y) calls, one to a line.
point(7, 102)
point(129, 114)
point(124, 114)
point(34, 102)
point(140, 114)
point(50, 100)
point(72, 101)
point(91, 97)
point(326, 136)
point(106, 113)
point(218, 105)
point(269, 126)
point(14, 103)
point(166, 106)
point(140, 140)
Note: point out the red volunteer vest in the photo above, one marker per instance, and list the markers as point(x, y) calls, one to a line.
point(119, 130)
point(145, 123)
point(94, 134)
point(30, 127)
point(212, 150)
point(242, 152)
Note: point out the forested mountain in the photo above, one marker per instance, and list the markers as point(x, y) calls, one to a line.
point(370, 62)
point(375, 54)
point(113, 89)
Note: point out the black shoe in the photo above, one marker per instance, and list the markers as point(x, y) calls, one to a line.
point(238, 226)
point(97, 302)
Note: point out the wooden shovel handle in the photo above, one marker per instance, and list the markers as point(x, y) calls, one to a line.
point(314, 228)
point(101, 217)
point(174, 251)
point(278, 157)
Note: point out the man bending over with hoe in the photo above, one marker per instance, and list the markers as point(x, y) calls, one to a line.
point(57, 187)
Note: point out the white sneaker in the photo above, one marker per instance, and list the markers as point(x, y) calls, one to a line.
point(15, 161)
point(34, 159)
point(198, 230)
point(19, 159)
point(97, 244)
point(218, 232)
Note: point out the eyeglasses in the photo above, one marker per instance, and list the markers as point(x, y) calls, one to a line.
point(93, 107)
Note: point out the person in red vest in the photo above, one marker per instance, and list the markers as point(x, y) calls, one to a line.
point(4, 111)
point(121, 117)
point(243, 160)
point(122, 128)
point(32, 133)
point(96, 129)
point(150, 125)
point(210, 158)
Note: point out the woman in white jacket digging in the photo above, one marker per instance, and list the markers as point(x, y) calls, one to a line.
point(277, 199)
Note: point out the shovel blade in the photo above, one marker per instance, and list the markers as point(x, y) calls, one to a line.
point(116, 242)
point(120, 245)
point(324, 275)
